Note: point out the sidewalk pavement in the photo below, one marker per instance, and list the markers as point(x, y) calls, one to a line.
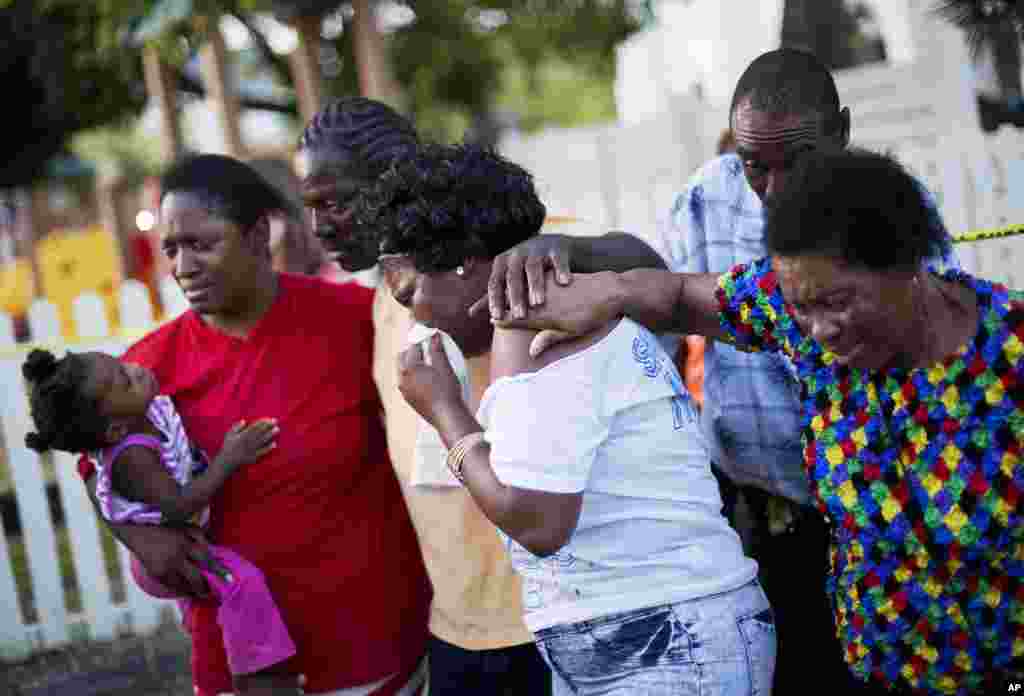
point(156, 665)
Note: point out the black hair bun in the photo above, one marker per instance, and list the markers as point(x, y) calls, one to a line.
point(37, 442)
point(39, 365)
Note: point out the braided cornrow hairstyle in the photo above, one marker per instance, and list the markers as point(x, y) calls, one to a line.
point(374, 134)
point(65, 418)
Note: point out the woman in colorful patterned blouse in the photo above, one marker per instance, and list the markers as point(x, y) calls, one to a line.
point(914, 412)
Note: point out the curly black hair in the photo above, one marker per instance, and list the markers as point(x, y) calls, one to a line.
point(372, 132)
point(451, 202)
point(65, 417)
point(861, 206)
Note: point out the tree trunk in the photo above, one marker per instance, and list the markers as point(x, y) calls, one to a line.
point(375, 80)
point(161, 88)
point(221, 88)
point(305, 66)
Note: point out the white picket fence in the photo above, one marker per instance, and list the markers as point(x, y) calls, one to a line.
point(101, 617)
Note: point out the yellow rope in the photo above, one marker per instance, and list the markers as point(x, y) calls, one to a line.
point(995, 233)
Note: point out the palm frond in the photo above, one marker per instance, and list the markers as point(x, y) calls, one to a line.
point(981, 20)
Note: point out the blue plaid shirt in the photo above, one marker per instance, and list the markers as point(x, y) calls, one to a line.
point(752, 413)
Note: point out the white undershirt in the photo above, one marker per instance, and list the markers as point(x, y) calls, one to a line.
point(615, 422)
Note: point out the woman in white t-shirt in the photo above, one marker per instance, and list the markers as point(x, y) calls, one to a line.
point(588, 459)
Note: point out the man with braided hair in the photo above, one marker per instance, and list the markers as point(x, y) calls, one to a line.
point(479, 643)
point(344, 148)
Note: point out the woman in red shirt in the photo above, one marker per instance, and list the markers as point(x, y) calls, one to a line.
point(322, 515)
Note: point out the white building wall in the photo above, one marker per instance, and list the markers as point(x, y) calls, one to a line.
point(698, 48)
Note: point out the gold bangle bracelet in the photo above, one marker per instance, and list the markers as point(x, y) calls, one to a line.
point(458, 453)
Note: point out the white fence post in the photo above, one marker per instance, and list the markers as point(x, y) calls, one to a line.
point(134, 306)
point(172, 297)
point(86, 551)
point(33, 509)
point(90, 315)
point(13, 645)
point(6, 331)
point(43, 321)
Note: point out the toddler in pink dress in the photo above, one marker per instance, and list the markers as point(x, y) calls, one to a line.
point(147, 472)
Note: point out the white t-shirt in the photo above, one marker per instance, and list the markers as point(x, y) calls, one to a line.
point(614, 421)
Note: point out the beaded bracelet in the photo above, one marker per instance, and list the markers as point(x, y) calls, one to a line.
point(458, 452)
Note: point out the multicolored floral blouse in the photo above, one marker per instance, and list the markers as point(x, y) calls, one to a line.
point(920, 472)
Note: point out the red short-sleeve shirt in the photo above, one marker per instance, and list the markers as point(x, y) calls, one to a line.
point(322, 515)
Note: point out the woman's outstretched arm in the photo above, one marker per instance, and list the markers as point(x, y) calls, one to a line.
point(660, 300)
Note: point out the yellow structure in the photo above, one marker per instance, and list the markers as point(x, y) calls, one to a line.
point(17, 287)
point(75, 261)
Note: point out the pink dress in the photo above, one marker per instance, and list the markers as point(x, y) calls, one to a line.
point(180, 459)
point(255, 636)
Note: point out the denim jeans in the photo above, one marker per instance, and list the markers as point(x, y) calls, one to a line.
point(722, 644)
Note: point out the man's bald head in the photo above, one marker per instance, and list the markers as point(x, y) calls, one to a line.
point(787, 81)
